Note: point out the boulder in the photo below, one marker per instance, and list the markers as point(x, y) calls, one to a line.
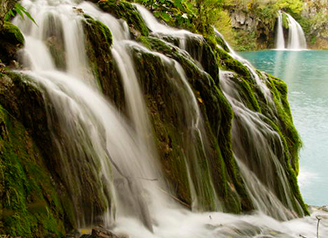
point(11, 40)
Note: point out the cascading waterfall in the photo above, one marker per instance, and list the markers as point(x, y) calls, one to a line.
point(119, 149)
point(280, 40)
point(251, 139)
point(93, 124)
point(264, 89)
point(121, 51)
point(200, 181)
point(258, 147)
point(161, 31)
point(296, 38)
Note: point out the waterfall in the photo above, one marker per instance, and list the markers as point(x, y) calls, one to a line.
point(296, 38)
point(280, 40)
point(119, 149)
point(252, 138)
point(96, 129)
point(161, 30)
point(264, 89)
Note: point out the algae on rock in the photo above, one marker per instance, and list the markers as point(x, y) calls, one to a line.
point(11, 40)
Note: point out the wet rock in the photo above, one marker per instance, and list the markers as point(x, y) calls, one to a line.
point(100, 232)
point(11, 40)
point(73, 234)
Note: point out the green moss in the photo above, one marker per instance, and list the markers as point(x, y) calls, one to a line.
point(11, 39)
point(282, 122)
point(228, 63)
point(98, 43)
point(12, 33)
point(30, 204)
point(221, 43)
point(103, 34)
point(126, 11)
point(285, 121)
point(285, 21)
point(218, 163)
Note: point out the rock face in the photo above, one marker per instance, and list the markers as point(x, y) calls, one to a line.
point(242, 20)
point(11, 39)
point(251, 31)
point(30, 201)
point(34, 188)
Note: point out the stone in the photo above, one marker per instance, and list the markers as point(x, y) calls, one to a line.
point(101, 232)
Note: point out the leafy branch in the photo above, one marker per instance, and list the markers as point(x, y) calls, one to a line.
point(19, 9)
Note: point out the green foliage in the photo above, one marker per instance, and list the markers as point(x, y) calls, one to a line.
point(19, 9)
point(245, 41)
point(207, 14)
point(295, 6)
point(126, 11)
point(178, 13)
point(223, 25)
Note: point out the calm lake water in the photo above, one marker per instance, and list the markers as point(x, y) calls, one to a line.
point(306, 74)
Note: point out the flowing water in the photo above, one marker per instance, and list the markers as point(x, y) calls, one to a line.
point(306, 75)
point(280, 39)
point(94, 124)
point(130, 180)
point(254, 156)
point(296, 38)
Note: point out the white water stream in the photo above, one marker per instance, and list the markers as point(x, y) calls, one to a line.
point(296, 38)
point(98, 131)
point(280, 40)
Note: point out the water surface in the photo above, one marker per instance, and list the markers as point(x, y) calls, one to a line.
point(306, 74)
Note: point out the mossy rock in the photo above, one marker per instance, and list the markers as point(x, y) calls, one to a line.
point(126, 11)
point(98, 43)
point(30, 205)
point(290, 138)
point(217, 115)
point(20, 96)
point(11, 40)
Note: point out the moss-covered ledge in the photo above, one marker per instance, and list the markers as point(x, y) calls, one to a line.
point(30, 204)
point(11, 40)
point(126, 11)
point(98, 43)
point(26, 110)
point(217, 115)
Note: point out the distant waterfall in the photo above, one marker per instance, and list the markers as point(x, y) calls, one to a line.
point(280, 40)
point(296, 37)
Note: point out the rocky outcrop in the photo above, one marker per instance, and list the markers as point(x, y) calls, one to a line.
point(33, 202)
point(251, 31)
point(11, 40)
point(243, 20)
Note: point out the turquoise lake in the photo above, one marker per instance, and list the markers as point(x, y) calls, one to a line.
point(306, 74)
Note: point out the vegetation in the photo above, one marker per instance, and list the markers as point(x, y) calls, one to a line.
point(9, 8)
point(200, 15)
